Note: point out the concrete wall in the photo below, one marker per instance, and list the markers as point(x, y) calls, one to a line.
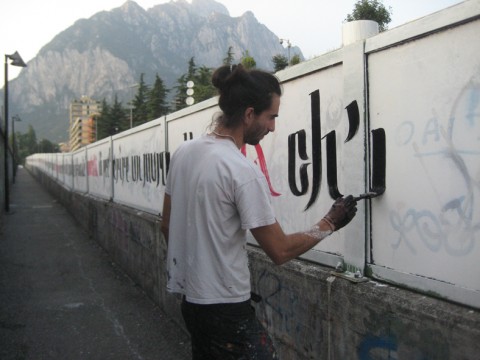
point(397, 113)
point(311, 313)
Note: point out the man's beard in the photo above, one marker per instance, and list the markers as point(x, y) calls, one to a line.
point(253, 135)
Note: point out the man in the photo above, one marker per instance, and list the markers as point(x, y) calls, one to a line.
point(214, 195)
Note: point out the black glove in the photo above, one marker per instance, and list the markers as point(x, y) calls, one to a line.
point(342, 212)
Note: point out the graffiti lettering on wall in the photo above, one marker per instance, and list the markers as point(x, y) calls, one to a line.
point(375, 347)
point(65, 169)
point(99, 167)
point(273, 292)
point(79, 168)
point(297, 145)
point(454, 225)
point(146, 168)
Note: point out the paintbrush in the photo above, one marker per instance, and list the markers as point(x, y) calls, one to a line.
point(367, 195)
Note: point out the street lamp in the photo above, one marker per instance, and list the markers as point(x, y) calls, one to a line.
point(131, 103)
point(14, 146)
point(16, 61)
point(289, 45)
point(190, 100)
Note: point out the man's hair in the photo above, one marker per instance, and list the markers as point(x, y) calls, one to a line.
point(240, 89)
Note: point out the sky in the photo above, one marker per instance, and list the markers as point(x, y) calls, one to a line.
point(315, 26)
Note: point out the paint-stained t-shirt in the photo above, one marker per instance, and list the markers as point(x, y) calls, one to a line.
point(217, 194)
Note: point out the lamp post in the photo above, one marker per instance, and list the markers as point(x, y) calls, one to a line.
point(16, 61)
point(289, 45)
point(14, 146)
point(131, 103)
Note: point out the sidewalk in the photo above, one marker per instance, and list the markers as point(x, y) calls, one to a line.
point(62, 298)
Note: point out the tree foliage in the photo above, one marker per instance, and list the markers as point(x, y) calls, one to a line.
point(46, 146)
point(139, 112)
point(103, 121)
point(113, 119)
point(280, 62)
point(148, 104)
point(26, 144)
point(157, 99)
point(230, 57)
point(119, 120)
point(202, 85)
point(151, 101)
point(371, 10)
point(248, 61)
point(295, 60)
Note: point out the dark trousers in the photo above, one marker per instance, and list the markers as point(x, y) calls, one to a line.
point(227, 331)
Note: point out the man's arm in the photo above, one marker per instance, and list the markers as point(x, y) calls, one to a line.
point(281, 247)
point(166, 216)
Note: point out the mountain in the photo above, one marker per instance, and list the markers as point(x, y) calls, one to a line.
point(105, 55)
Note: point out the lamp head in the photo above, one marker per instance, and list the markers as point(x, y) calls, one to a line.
point(16, 59)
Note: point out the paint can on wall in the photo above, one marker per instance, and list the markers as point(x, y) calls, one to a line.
point(354, 31)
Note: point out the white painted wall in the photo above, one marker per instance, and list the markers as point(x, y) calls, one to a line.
point(100, 169)
point(426, 94)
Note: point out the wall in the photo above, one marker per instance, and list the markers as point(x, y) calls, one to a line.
point(311, 313)
point(397, 114)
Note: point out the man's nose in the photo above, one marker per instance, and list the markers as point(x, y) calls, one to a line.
point(271, 126)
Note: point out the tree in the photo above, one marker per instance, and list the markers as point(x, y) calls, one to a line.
point(181, 88)
point(295, 60)
point(103, 121)
point(157, 104)
point(26, 144)
point(140, 107)
point(248, 61)
point(371, 10)
point(118, 119)
point(203, 88)
point(181, 92)
point(280, 62)
point(46, 146)
point(31, 140)
point(229, 59)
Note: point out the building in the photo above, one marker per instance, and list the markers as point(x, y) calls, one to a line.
point(82, 129)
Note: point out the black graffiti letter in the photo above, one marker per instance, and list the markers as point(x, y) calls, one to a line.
point(353, 119)
point(332, 165)
point(187, 136)
point(165, 165)
point(302, 152)
point(316, 147)
point(378, 161)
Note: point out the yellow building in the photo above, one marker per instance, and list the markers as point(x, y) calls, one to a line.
point(82, 127)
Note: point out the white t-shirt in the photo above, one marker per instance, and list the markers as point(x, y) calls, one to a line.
point(217, 194)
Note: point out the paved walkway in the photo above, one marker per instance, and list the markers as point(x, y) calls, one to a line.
point(62, 298)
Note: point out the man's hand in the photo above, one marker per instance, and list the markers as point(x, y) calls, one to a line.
point(341, 213)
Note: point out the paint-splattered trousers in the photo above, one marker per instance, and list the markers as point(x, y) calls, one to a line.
point(227, 331)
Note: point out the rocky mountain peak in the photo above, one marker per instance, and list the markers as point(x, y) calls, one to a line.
point(104, 55)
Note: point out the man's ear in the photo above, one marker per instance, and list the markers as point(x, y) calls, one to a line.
point(249, 115)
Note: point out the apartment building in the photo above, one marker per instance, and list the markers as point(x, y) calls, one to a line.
point(82, 126)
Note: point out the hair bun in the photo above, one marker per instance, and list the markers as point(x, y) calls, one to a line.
point(223, 76)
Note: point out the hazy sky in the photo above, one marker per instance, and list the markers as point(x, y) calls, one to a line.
point(313, 25)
